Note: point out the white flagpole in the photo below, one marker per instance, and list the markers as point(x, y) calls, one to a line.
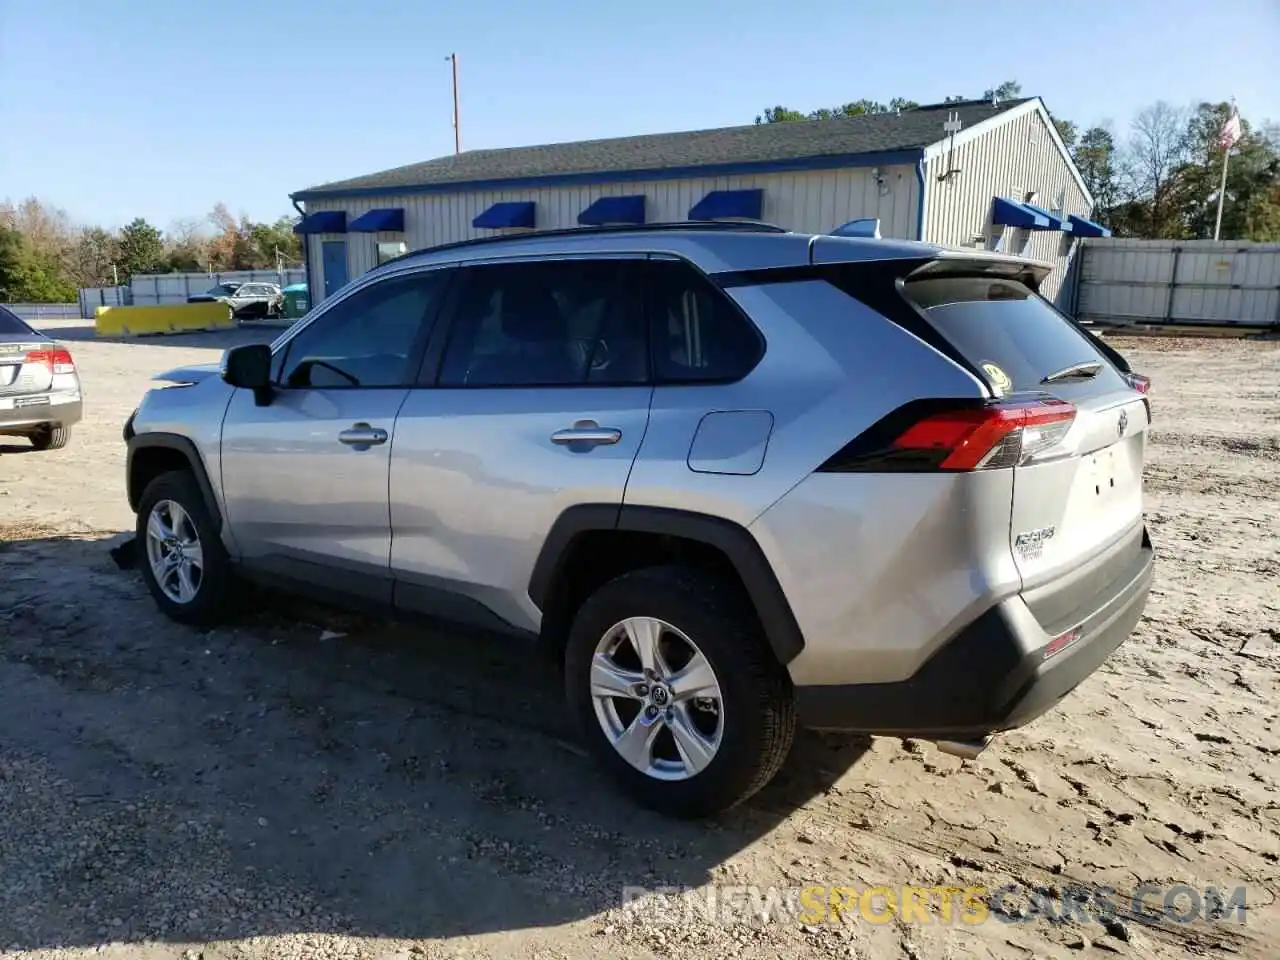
point(1222, 192)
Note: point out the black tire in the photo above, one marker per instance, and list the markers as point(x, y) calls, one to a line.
point(759, 709)
point(51, 437)
point(212, 602)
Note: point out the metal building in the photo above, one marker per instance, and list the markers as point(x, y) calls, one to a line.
point(973, 173)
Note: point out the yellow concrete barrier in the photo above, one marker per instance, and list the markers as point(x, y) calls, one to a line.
point(165, 318)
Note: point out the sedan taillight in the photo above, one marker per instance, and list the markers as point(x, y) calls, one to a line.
point(57, 360)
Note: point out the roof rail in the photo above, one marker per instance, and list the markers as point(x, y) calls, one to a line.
point(744, 226)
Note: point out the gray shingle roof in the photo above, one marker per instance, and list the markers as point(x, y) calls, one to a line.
point(757, 143)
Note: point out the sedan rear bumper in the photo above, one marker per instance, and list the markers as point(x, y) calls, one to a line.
point(1000, 672)
point(22, 414)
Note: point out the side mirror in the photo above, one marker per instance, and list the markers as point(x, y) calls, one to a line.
point(249, 368)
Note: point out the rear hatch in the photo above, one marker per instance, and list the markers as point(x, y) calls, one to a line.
point(1076, 520)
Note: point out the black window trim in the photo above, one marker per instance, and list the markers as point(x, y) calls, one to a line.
point(417, 350)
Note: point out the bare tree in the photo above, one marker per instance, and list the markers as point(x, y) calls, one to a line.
point(222, 220)
point(48, 229)
point(187, 232)
point(1158, 148)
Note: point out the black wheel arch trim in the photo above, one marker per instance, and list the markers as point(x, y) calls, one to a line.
point(730, 538)
point(184, 446)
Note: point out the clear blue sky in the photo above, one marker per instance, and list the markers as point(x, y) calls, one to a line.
point(112, 109)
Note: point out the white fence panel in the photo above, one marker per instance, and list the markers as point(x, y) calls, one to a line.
point(1124, 282)
point(35, 312)
point(93, 297)
point(161, 288)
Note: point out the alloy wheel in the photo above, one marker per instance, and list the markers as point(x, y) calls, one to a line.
point(657, 698)
point(174, 551)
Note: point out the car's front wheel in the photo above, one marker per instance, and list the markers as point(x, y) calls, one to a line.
point(677, 692)
point(185, 565)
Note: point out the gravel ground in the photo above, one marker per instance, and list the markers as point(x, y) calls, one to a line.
point(313, 784)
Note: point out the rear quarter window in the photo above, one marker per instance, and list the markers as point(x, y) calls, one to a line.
point(1010, 333)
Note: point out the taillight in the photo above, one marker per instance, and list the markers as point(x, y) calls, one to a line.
point(960, 436)
point(1138, 382)
point(998, 435)
point(57, 360)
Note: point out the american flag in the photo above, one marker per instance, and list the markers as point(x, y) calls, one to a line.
point(1231, 132)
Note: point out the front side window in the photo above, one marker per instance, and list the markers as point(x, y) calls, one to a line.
point(370, 339)
point(549, 323)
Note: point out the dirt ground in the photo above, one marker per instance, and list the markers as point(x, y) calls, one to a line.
point(272, 790)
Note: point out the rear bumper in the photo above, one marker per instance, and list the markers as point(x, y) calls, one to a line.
point(991, 676)
point(15, 419)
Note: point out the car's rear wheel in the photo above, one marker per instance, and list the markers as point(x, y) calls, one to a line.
point(676, 691)
point(51, 437)
point(184, 563)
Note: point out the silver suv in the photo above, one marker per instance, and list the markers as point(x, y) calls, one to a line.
point(731, 477)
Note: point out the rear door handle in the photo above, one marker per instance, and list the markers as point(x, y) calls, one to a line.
point(587, 433)
point(362, 436)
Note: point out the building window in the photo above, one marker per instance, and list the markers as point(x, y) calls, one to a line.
point(389, 251)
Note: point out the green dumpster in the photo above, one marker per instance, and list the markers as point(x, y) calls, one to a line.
point(295, 300)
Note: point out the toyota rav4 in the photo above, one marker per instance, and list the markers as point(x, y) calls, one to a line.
point(731, 477)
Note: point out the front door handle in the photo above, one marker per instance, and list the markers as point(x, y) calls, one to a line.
point(361, 436)
point(587, 433)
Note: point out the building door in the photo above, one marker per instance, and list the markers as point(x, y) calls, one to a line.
point(335, 266)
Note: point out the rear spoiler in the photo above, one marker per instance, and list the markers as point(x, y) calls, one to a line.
point(947, 261)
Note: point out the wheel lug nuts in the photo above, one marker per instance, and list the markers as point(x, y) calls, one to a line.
point(642, 690)
point(651, 712)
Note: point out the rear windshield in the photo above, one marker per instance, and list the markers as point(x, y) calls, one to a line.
point(1006, 330)
point(11, 326)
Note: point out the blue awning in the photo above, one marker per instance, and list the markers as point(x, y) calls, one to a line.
point(391, 220)
point(1087, 228)
point(1055, 222)
point(323, 221)
point(614, 210)
point(728, 205)
point(504, 216)
point(1011, 213)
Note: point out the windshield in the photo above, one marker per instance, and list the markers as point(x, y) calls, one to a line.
point(11, 326)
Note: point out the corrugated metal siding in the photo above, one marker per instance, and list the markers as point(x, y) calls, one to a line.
point(1011, 160)
point(1184, 281)
point(814, 202)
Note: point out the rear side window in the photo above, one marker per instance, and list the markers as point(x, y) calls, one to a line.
point(552, 323)
point(699, 335)
point(10, 325)
point(1006, 330)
